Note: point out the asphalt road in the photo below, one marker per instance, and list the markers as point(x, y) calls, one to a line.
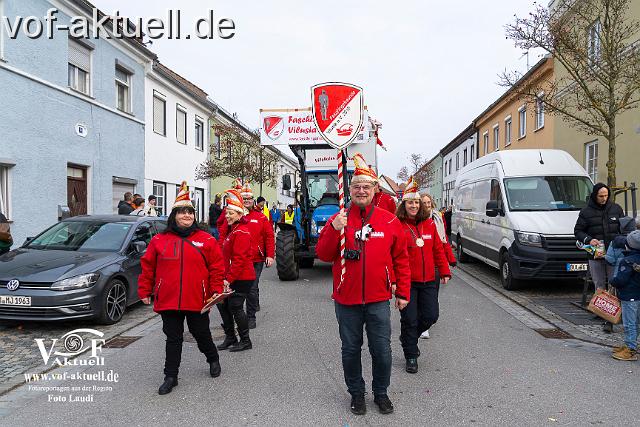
point(482, 367)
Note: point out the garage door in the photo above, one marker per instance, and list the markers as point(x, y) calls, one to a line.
point(119, 189)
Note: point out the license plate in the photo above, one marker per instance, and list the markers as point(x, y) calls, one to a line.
point(15, 300)
point(577, 267)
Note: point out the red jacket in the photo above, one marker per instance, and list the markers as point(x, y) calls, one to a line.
point(425, 259)
point(384, 201)
point(236, 249)
point(382, 256)
point(181, 274)
point(263, 242)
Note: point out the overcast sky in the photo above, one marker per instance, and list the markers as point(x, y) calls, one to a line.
point(427, 68)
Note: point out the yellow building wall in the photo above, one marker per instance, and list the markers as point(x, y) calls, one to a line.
point(533, 138)
point(627, 143)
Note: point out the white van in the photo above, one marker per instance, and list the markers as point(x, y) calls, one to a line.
point(516, 210)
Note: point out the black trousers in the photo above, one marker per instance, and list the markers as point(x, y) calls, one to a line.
point(253, 297)
point(419, 315)
point(232, 309)
point(173, 328)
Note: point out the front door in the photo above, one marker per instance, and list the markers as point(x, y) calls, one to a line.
point(77, 190)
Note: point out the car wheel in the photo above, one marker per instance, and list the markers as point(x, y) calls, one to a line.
point(506, 275)
point(114, 302)
point(462, 257)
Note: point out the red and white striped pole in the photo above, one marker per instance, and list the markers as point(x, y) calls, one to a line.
point(343, 239)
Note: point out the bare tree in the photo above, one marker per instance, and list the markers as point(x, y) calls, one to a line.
point(421, 172)
point(599, 74)
point(240, 156)
point(403, 174)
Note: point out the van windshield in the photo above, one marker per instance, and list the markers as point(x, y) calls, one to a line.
point(547, 193)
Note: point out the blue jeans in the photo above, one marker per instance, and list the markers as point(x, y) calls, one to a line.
point(351, 320)
point(214, 232)
point(631, 321)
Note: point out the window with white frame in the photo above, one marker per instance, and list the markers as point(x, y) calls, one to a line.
point(181, 124)
point(507, 131)
point(496, 137)
point(522, 121)
point(593, 42)
point(457, 161)
point(159, 115)
point(216, 141)
point(445, 168)
point(485, 138)
point(79, 67)
point(199, 135)
point(4, 191)
point(159, 189)
point(450, 162)
point(591, 160)
point(123, 90)
point(464, 157)
point(472, 153)
point(539, 111)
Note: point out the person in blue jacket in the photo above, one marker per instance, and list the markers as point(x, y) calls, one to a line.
point(627, 283)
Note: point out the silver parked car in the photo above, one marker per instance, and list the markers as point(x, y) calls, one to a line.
point(82, 267)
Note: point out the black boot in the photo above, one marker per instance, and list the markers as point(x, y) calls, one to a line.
point(168, 384)
point(228, 342)
point(242, 345)
point(214, 369)
point(251, 323)
point(412, 365)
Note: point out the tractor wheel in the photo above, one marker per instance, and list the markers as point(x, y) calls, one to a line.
point(286, 263)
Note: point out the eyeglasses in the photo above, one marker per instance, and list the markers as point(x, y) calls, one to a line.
point(362, 187)
point(247, 198)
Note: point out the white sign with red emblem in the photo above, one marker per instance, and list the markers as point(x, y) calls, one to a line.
point(338, 110)
point(296, 127)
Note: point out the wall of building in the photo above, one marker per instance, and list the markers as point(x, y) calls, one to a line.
point(39, 115)
point(452, 162)
point(509, 107)
point(167, 160)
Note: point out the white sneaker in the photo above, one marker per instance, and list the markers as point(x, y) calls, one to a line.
point(425, 335)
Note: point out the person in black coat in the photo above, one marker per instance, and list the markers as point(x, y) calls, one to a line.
point(599, 220)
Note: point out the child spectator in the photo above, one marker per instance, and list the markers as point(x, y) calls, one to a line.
point(627, 283)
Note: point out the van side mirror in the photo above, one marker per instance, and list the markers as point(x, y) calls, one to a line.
point(492, 209)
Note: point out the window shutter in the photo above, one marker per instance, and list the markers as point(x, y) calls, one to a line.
point(79, 56)
point(158, 115)
point(181, 126)
point(122, 76)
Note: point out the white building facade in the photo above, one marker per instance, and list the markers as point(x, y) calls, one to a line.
point(290, 168)
point(456, 155)
point(176, 139)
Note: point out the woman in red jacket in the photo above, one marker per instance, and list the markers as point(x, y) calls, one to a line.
point(239, 274)
point(425, 254)
point(182, 268)
point(441, 227)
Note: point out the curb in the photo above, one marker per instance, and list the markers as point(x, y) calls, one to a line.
point(541, 312)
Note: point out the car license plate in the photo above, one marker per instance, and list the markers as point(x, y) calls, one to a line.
point(577, 267)
point(15, 300)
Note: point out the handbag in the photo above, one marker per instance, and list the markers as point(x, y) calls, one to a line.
point(606, 305)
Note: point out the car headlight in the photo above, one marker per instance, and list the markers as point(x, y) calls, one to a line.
point(529, 239)
point(77, 282)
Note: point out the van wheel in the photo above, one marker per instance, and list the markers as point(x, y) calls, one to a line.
point(462, 257)
point(506, 275)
